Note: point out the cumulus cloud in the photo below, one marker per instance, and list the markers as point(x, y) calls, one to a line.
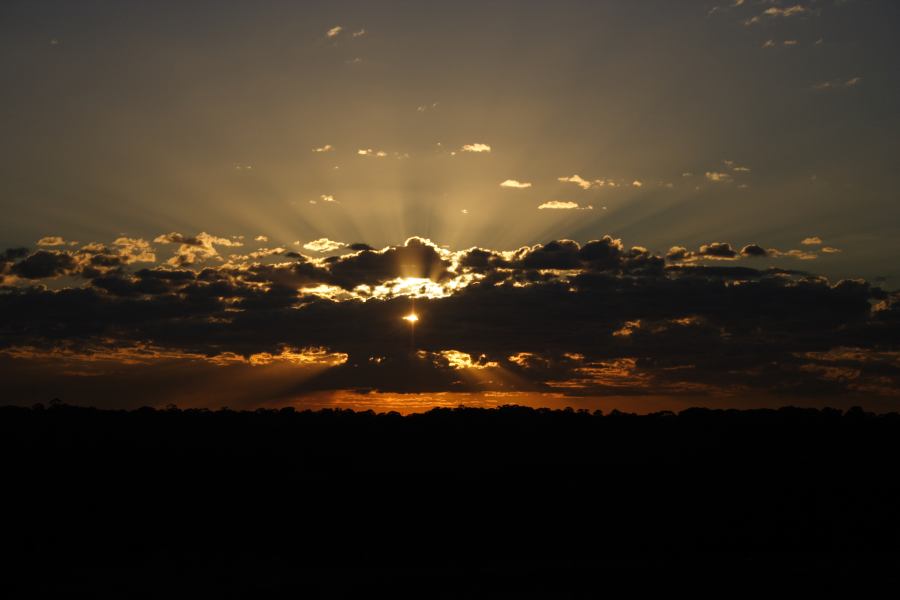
point(323, 245)
point(622, 321)
point(477, 148)
point(515, 184)
point(195, 248)
point(812, 241)
point(51, 240)
point(563, 205)
point(261, 238)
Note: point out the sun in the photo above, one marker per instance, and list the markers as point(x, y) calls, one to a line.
point(411, 318)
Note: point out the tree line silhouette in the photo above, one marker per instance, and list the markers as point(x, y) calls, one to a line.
point(508, 500)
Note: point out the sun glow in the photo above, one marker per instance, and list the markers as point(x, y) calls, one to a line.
point(411, 318)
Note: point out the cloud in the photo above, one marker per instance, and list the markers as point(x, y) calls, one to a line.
point(577, 180)
point(812, 241)
point(636, 183)
point(477, 147)
point(327, 198)
point(325, 148)
point(838, 84)
point(51, 240)
point(371, 152)
point(515, 184)
point(777, 11)
point(323, 245)
point(334, 31)
point(261, 238)
point(196, 248)
point(753, 251)
point(563, 205)
point(718, 251)
point(718, 177)
point(572, 319)
point(358, 33)
point(830, 250)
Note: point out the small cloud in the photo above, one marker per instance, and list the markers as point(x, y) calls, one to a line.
point(465, 211)
point(769, 44)
point(515, 184)
point(577, 180)
point(830, 250)
point(563, 205)
point(359, 33)
point(753, 251)
point(243, 167)
point(327, 198)
point(323, 245)
point(370, 152)
point(777, 11)
point(54, 42)
point(687, 174)
point(51, 240)
point(636, 183)
point(334, 31)
point(427, 107)
point(260, 238)
point(478, 147)
point(717, 177)
point(325, 148)
point(837, 84)
point(353, 61)
point(812, 241)
point(790, 42)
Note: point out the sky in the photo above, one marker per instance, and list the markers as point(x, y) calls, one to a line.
point(640, 205)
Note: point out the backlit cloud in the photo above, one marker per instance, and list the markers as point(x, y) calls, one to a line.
point(515, 184)
point(477, 147)
point(563, 205)
point(323, 245)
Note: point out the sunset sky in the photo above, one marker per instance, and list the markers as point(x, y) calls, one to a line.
point(641, 205)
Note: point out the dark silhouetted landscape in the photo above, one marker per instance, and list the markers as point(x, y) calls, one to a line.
point(508, 502)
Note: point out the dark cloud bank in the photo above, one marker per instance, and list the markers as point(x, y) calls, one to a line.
point(562, 318)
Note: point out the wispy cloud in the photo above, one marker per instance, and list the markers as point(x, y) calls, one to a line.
point(325, 148)
point(563, 205)
point(359, 33)
point(812, 241)
point(334, 31)
point(718, 177)
point(515, 184)
point(838, 84)
point(51, 240)
point(371, 152)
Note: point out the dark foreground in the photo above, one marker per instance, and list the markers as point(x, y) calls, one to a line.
point(506, 503)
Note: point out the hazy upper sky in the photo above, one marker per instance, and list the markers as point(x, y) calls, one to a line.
point(203, 198)
point(145, 117)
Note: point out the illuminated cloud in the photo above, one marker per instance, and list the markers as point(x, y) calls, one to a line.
point(717, 177)
point(325, 148)
point(51, 240)
point(563, 205)
point(196, 248)
point(769, 44)
point(334, 31)
point(358, 33)
point(323, 245)
point(777, 11)
point(577, 180)
point(636, 183)
point(371, 152)
point(830, 250)
point(426, 107)
point(478, 148)
point(812, 241)
point(261, 238)
point(515, 184)
point(327, 198)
